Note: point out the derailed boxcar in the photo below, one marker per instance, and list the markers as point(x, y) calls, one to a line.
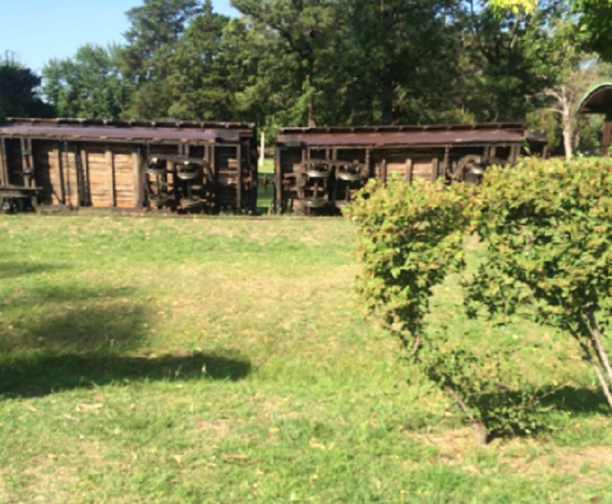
point(180, 166)
point(318, 170)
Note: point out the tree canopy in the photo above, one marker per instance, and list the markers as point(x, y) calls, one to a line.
point(335, 62)
point(19, 93)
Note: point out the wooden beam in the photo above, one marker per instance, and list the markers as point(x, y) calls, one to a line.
point(435, 162)
point(30, 158)
point(514, 153)
point(239, 179)
point(86, 180)
point(78, 166)
point(60, 172)
point(27, 161)
point(138, 178)
point(605, 144)
point(278, 174)
point(384, 171)
point(110, 164)
point(69, 189)
point(4, 173)
point(409, 170)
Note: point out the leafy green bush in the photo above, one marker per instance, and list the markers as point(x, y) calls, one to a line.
point(547, 230)
point(411, 238)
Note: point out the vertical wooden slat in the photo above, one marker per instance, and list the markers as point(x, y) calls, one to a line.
point(110, 165)
point(27, 161)
point(278, 187)
point(24, 161)
point(514, 153)
point(409, 174)
point(86, 179)
point(239, 179)
point(60, 172)
point(66, 170)
point(434, 169)
point(30, 158)
point(79, 176)
point(4, 164)
point(213, 170)
point(138, 175)
point(446, 168)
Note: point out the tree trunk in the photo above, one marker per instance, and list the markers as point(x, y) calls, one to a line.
point(567, 139)
point(568, 123)
point(312, 122)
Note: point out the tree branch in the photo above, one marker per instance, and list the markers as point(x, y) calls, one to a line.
point(598, 343)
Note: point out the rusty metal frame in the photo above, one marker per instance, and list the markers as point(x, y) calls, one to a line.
point(446, 144)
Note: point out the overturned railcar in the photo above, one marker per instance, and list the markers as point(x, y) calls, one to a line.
point(178, 166)
point(318, 170)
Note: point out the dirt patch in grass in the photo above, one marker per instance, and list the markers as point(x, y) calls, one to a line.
point(523, 456)
point(50, 482)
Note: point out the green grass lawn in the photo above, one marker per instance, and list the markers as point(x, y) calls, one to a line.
point(227, 360)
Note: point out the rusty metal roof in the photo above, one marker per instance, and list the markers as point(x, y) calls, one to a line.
point(131, 123)
point(100, 130)
point(598, 100)
point(405, 135)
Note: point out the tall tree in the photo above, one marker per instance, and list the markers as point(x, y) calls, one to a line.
point(594, 21)
point(198, 79)
point(301, 34)
point(146, 61)
point(403, 55)
point(89, 85)
point(19, 93)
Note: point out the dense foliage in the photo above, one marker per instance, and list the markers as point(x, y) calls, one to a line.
point(307, 62)
point(18, 93)
point(546, 230)
point(411, 237)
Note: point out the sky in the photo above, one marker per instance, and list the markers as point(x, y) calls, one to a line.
point(34, 31)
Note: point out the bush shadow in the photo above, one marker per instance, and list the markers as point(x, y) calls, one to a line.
point(534, 411)
point(575, 400)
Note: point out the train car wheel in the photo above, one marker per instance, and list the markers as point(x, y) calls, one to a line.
point(470, 169)
point(12, 205)
point(315, 202)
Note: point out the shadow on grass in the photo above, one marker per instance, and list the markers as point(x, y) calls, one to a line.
point(42, 375)
point(529, 414)
point(57, 338)
point(73, 320)
point(576, 400)
point(17, 269)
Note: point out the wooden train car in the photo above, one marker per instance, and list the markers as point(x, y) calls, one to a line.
point(318, 170)
point(180, 166)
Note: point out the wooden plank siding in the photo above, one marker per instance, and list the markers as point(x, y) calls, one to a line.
point(77, 163)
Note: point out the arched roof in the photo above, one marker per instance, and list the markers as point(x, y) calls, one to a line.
point(598, 100)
